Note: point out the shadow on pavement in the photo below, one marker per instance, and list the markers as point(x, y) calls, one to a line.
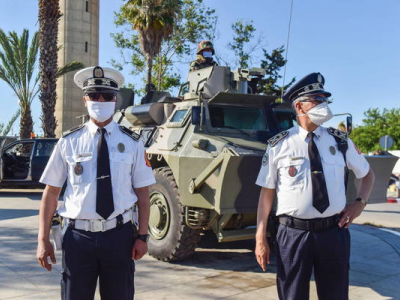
point(21, 193)
point(6, 214)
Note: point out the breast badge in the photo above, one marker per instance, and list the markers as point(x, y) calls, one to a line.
point(78, 169)
point(332, 150)
point(292, 171)
point(265, 159)
point(121, 147)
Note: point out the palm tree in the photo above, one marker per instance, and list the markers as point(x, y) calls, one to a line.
point(154, 20)
point(17, 69)
point(49, 15)
point(17, 66)
point(341, 126)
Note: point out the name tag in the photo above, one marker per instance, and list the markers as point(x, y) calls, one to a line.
point(297, 158)
point(85, 155)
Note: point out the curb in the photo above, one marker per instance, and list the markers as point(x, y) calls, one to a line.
point(393, 200)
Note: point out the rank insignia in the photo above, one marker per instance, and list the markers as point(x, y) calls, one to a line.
point(121, 147)
point(78, 169)
point(332, 150)
point(292, 171)
point(338, 133)
point(276, 138)
point(265, 159)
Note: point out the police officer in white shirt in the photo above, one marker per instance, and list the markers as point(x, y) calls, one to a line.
point(305, 166)
point(107, 173)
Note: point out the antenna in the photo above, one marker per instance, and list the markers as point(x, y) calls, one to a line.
point(287, 49)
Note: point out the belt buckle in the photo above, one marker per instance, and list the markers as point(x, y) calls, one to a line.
point(97, 225)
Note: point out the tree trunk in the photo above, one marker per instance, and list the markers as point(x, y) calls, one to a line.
point(149, 68)
point(49, 15)
point(26, 123)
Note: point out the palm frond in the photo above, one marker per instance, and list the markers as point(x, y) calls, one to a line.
point(69, 67)
point(10, 123)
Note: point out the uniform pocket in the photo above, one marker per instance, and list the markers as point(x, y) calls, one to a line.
point(335, 165)
point(80, 169)
point(121, 165)
point(292, 172)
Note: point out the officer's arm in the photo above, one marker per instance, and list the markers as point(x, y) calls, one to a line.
point(264, 209)
point(47, 208)
point(143, 203)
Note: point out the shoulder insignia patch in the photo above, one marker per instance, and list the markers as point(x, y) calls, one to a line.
point(276, 138)
point(129, 132)
point(72, 130)
point(338, 133)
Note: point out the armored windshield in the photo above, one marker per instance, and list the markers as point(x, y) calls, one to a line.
point(244, 118)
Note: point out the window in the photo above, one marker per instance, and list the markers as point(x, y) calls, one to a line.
point(286, 119)
point(21, 150)
point(178, 116)
point(44, 149)
point(244, 118)
point(86, 47)
point(87, 6)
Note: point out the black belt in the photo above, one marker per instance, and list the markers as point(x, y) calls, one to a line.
point(310, 224)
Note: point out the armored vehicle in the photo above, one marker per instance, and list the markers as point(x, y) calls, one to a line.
point(205, 147)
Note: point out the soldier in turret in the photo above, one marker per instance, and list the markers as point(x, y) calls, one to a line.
point(204, 59)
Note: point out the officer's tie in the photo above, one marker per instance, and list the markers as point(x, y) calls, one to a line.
point(320, 193)
point(104, 197)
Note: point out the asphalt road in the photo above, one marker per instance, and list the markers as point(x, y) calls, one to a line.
point(216, 271)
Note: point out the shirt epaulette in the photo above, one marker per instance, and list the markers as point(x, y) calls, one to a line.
point(338, 133)
point(129, 132)
point(276, 138)
point(72, 130)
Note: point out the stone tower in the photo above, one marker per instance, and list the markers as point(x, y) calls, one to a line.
point(79, 35)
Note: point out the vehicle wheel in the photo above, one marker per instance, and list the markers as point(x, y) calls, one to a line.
point(170, 238)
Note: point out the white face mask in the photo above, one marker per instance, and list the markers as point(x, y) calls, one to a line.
point(100, 111)
point(207, 54)
point(319, 114)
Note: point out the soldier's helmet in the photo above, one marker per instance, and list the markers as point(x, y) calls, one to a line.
point(205, 45)
point(149, 87)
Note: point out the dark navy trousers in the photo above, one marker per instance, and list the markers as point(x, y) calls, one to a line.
point(107, 256)
point(299, 252)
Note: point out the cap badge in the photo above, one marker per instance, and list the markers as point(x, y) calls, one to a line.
point(292, 171)
point(319, 78)
point(332, 150)
point(265, 159)
point(121, 147)
point(98, 72)
point(78, 169)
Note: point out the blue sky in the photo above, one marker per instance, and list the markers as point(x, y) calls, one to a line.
point(355, 44)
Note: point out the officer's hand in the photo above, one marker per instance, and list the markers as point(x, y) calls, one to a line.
point(44, 250)
point(139, 249)
point(262, 253)
point(350, 212)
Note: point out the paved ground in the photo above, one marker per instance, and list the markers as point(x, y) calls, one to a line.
point(217, 271)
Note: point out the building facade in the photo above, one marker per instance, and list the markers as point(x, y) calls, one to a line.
point(79, 37)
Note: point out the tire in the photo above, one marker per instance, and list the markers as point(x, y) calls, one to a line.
point(170, 238)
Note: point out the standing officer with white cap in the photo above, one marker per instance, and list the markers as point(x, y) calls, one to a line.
point(305, 166)
point(107, 173)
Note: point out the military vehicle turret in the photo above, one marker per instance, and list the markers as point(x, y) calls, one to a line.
point(205, 147)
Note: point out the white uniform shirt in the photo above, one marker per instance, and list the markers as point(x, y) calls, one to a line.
point(286, 168)
point(127, 164)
